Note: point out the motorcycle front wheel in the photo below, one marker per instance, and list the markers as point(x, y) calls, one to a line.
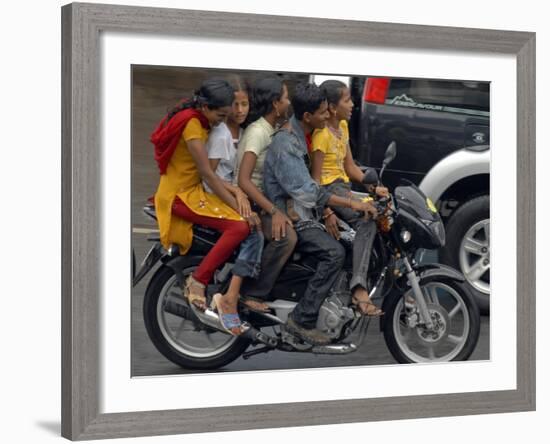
point(455, 317)
point(182, 340)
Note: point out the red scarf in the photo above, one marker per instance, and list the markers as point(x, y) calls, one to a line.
point(166, 137)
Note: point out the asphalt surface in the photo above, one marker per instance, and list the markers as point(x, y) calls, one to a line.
point(155, 90)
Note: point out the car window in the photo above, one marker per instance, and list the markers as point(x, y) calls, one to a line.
point(451, 96)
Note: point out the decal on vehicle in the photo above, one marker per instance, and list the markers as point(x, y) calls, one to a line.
point(478, 137)
point(404, 100)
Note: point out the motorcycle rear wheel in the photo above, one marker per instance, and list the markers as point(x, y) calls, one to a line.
point(187, 344)
point(455, 315)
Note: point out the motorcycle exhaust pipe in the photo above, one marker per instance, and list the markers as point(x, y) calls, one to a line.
point(211, 319)
point(178, 307)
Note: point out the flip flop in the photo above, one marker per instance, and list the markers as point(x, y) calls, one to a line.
point(230, 322)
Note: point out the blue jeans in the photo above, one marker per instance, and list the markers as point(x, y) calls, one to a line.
point(250, 256)
point(274, 258)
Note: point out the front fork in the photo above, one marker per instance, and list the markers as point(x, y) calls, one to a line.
point(418, 294)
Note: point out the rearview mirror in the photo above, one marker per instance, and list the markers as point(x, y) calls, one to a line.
point(391, 152)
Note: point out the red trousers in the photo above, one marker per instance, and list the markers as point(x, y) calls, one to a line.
point(233, 233)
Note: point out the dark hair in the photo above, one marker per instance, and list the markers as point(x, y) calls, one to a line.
point(307, 98)
point(240, 84)
point(333, 90)
point(214, 93)
point(264, 91)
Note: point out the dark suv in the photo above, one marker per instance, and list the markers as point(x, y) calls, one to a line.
point(442, 132)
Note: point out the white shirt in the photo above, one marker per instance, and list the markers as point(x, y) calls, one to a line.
point(255, 139)
point(222, 146)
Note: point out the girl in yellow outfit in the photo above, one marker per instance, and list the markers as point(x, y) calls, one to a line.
point(181, 199)
point(333, 167)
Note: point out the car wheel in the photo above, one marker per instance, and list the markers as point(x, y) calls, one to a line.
point(468, 247)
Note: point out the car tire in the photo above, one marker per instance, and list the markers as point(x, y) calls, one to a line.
point(468, 247)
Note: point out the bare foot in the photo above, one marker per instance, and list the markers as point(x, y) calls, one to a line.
point(227, 303)
point(255, 305)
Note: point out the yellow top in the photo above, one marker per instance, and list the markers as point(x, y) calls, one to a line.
point(182, 179)
point(335, 149)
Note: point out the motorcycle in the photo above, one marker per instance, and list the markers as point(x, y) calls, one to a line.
point(430, 314)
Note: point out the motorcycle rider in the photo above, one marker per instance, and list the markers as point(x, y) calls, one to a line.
point(334, 168)
point(287, 178)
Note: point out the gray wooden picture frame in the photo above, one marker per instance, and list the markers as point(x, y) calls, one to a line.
point(81, 172)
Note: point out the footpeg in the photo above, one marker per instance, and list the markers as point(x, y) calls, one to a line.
point(258, 336)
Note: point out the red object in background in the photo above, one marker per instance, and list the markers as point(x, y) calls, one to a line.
point(376, 90)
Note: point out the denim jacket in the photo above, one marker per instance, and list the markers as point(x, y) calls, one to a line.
point(286, 175)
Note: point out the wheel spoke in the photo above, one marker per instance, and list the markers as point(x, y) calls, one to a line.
point(209, 338)
point(173, 294)
point(434, 298)
point(182, 328)
point(431, 353)
point(474, 246)
point(477, 270)
point(454, 311)
point(455, 339)
point(406, 333)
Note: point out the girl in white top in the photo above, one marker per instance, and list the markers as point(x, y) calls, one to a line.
point(222, 155)
point(222, 147)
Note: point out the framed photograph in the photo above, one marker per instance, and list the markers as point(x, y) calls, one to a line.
point(125, 67)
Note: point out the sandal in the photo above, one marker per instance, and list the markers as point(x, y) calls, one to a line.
point(230, 322)
point(371, 309)
point(255, 305)
point(197, 300)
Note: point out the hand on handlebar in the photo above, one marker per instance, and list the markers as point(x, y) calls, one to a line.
point(382, 192)
point(367, 207)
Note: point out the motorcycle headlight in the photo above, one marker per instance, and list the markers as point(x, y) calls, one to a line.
point(405, 236)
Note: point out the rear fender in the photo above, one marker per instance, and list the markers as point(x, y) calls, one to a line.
point(180, 263)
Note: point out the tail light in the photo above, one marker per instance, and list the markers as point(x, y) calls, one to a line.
point(376, 90)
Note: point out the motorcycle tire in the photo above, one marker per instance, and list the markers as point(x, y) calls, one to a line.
point(395, 320)
point(169, 347)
